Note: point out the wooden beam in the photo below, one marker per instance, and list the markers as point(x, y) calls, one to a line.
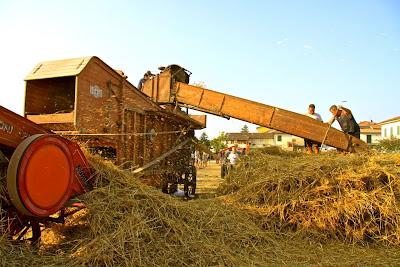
point(264, 115)
point(162, 157)
point(52, 118)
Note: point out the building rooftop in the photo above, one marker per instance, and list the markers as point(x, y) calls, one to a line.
point(248, 136)
point(58, 68)
point(369, 125)
point(390, 120)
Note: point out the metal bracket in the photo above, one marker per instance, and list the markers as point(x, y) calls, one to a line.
point(272, 116)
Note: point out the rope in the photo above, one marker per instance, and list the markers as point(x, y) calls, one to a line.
point(120, 134)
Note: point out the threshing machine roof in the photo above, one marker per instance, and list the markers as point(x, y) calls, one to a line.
point(58, 68)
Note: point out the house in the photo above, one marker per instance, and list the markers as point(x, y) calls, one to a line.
point(264, 139)
point(370, 132)
point(255, 140)
point(390, 128)
point(286, 141)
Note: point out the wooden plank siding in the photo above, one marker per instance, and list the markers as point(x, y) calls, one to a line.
point(106, 109)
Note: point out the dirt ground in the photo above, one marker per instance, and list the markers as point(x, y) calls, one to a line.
point(208, 179)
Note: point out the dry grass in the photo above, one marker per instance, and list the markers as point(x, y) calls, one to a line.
point(129, 224)
point(132, 224)
point(347, 197)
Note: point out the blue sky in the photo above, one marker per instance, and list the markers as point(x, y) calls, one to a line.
point(282, 53)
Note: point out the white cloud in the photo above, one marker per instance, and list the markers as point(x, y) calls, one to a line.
point(307, 46)
point(282, 42)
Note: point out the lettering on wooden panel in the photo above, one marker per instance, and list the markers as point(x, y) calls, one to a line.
point(96, 91)
point(5, 127)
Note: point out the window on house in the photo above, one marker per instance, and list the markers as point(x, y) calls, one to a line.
point(369, 139)
point(279, 138)
point(391, 131)
point(384, 132)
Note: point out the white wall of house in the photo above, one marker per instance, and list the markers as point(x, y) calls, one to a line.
point(283, 140)
point(236, 142)
point(239, 144)
point(280, 139)
point(375, 137)
point(298, 141)
point(261, 142)
point(391, 130)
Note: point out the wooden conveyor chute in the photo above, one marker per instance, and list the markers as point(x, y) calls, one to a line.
point(171, 86)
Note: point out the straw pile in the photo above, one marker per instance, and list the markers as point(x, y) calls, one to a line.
point(132, 224)
point(129, 224)
point(347, 197)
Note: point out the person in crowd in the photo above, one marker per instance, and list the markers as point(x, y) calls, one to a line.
point(197, 158)
point(233, 158)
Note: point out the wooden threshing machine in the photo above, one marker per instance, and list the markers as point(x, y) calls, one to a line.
point(86, 101)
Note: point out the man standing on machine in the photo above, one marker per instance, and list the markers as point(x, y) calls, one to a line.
point(345, 119)
point(311, 145)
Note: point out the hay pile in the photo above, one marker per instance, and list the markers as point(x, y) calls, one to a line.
point(129, 224)
point(132, 224)
point(347, 197)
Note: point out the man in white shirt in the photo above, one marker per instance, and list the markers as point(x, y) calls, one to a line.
point(310, 145)
point(233, 158)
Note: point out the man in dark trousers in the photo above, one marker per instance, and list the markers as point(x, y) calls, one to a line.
point(310, 145)
point(345, 119)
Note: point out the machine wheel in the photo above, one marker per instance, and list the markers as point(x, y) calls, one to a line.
point(189, 186)
point(39, 175)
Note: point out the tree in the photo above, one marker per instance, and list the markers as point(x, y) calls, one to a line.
point(204, 139)
point(245, 129)
point(392, 144)
point(218, 142)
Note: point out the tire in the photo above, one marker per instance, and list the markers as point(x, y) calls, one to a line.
point(223, 170)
